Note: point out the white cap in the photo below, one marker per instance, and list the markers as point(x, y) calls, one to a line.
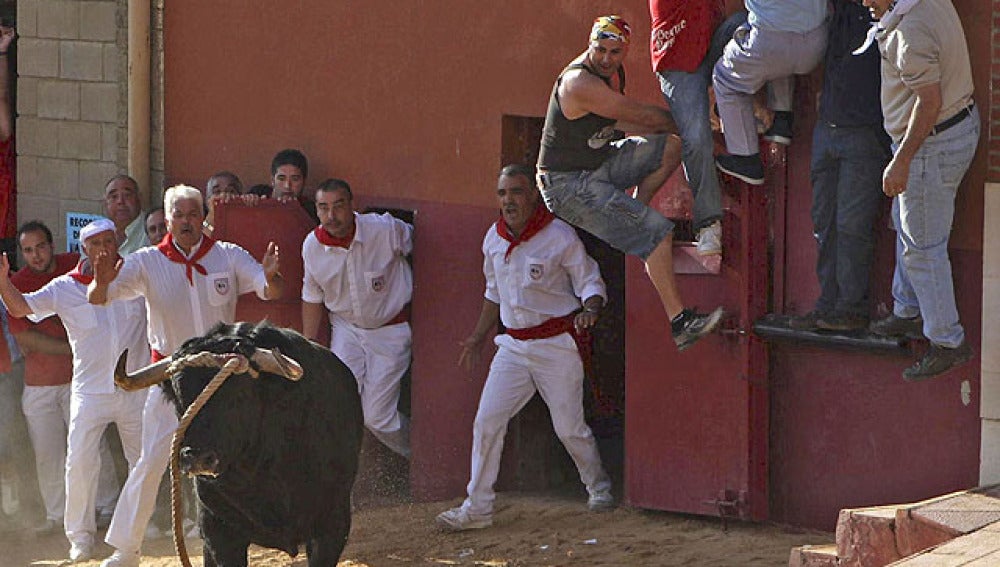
point(96, 227)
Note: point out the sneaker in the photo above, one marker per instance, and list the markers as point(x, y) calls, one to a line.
point(459, 519)
point(601, 502)
point(807, 322)
point(937, 360)
point(122, 559)
point(840, 321)
point(893, 326)
point(780, 131)
point(49, 527)
point(80, 552)
point(746, 168)
point(710, 240)
point(691, 326)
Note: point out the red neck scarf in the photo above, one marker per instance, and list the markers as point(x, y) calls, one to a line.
point(166, 246)
point(539, 220)
point(328, 239)
point(84, 271)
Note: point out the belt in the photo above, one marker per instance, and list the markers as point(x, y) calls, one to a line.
point(955, 119)
point(402, 317)
point(550, 328)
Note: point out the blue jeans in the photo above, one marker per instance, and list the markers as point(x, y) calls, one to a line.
point(922, 216)
point(595, 200)
point(847, 165)
point(687, 96)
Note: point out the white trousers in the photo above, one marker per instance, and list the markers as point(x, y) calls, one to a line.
point(46, 409)
point(138, 497)
point(378, 358)
point(552, 367)
point(90, 415)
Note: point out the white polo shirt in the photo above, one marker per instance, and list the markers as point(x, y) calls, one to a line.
point(545, 277)
point(367, 284)
point(97, 333)
point(178, 310)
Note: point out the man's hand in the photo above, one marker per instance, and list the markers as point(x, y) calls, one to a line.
point(4, 267)
point(7, 35)
point(895, 176)
point(105, 268)
point(471, 354)
point(272, 262)
point(585, 320)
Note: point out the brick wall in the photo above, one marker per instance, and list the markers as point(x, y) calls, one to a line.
point(69, 107)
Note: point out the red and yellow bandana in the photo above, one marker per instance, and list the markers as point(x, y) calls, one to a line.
point(610, 27)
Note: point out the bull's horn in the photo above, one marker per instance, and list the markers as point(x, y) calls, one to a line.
point(274, 362)
point(142, 378)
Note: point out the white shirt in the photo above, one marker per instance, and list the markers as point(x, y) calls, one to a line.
point(367, 284)
point(97, 333)
point(545, 277)
point(178, 310)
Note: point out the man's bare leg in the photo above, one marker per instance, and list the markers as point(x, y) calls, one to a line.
point(646, 190)
point(660, 269)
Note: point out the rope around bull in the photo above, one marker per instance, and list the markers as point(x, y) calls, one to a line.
point(236, 364)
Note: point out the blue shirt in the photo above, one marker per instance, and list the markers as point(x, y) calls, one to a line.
point(797, 16)
point(851, 83)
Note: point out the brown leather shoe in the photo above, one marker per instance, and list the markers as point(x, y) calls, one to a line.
point(937, 360)
point(807, 322)
point(842, 322)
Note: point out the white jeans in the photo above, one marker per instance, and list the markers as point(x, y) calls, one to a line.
point(90, 415)
point(378, 358)
point(138, 497)
point(46, 409)
point(552, 367)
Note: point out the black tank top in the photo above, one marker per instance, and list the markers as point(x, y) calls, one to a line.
point(580, 144)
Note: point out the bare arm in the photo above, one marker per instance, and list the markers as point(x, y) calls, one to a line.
point(275, 282)
point(12, 297)
point(472, 345)
point(922, 120)
point(581, 92)
point(312, 315)
point(31, 340)
point(6, 106)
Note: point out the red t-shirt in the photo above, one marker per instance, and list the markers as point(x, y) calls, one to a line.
point(682, 31)
point(42, 369)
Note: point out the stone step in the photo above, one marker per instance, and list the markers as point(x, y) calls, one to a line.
point(814, 556)
point(977, 549)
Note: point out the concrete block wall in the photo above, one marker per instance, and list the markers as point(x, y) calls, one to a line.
point(71, 107)
point(989, 455)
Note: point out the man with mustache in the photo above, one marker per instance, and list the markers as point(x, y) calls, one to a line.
point(190, 283)
point(96, 336)
point(357, 275)
point(537, 272)
point(585, 165)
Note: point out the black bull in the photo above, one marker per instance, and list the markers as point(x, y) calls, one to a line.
point(274, 460)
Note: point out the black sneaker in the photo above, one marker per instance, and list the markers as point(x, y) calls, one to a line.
point(691, 326)
point(746, 168)
point(807, 322)
point(840, 321)
point(780, 131)
point(893, 326)
point(937, 360)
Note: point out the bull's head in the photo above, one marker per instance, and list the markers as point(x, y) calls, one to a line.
point(188, 375)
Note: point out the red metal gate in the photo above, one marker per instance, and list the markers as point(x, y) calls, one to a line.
point(696, 423)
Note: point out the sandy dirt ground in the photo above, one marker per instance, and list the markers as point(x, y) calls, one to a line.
point(529, 530)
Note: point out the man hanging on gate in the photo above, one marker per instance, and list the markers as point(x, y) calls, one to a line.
point(585, 165)
point(537, 272)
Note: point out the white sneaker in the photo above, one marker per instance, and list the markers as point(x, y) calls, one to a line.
point(458, 519)
point(600, 502)
point(80, 552)
point(710, 240)
point(122, 559)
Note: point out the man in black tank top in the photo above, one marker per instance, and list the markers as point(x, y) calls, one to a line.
point(586, 164)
